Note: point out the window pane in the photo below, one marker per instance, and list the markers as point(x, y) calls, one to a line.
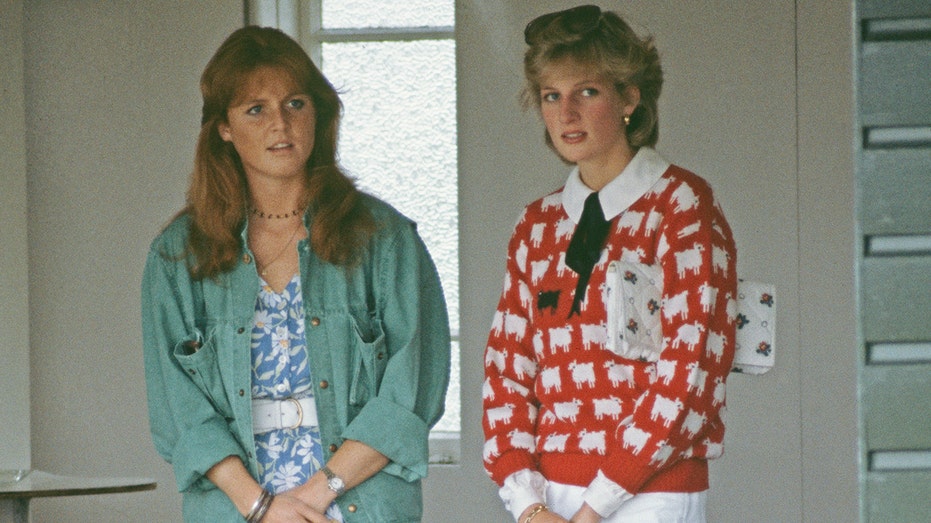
point(398, 139)
point(398, 136)
point(397, 13)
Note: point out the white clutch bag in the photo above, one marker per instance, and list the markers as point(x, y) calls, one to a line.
point(756, 327)
point(634, 303)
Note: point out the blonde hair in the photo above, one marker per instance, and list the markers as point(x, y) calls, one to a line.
point(218, 194)
point(609, 46)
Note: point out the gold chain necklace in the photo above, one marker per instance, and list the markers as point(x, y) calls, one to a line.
point(264, 271)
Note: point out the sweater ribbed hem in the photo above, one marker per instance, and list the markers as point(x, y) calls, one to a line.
point(688, 475)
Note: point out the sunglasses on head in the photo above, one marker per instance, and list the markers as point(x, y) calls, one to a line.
point(577, 20)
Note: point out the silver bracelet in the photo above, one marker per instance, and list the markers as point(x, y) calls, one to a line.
point(260, 507)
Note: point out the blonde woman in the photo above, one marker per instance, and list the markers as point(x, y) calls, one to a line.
point(575, 431)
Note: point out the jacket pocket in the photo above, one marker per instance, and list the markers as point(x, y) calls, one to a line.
point(369, 359)
point(198, 357)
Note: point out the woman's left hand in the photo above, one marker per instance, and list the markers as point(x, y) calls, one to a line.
point(314, 493)
point(354, 463)
point(288, 508)
point(586, 514)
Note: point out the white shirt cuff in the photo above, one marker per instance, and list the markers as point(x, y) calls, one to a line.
point(605, 496)
point(521, 490)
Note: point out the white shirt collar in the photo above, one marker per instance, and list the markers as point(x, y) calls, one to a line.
point(646, 167)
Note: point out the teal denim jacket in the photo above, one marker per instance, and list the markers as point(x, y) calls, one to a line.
point(379, 349)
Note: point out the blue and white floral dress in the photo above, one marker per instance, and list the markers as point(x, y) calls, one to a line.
point(280, 369)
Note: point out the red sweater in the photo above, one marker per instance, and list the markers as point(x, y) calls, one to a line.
point(556, 400)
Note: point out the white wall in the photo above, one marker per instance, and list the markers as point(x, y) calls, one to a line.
point(14, 301)
point(828, 348)
point(113, 110)
point(757, 100)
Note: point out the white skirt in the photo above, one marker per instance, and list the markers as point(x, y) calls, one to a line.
point(647, 507)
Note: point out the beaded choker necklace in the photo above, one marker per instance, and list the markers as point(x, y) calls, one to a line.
point(274, 216)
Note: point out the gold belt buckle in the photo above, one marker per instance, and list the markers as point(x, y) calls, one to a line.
point(300, 413)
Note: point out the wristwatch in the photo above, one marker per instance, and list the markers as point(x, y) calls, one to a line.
point(334, 482)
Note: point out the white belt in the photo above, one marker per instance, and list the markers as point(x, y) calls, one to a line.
point(289, 413)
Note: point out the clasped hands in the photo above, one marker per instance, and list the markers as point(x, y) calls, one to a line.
point(305, 503)
point(585, 514)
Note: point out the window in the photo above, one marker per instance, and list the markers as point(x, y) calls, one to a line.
point(395, 69)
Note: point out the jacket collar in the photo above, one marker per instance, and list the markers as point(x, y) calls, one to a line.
point(646, 167)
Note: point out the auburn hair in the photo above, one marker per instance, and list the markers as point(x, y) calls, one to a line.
point(218, 195)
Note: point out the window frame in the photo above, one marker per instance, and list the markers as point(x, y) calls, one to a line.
point(303, 21)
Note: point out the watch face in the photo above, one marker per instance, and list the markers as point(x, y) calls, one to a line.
point(336, 484)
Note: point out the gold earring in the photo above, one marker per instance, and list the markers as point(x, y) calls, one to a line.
point(626, 119)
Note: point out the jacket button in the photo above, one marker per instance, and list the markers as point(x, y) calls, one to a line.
point(381, 355)
point(333, 447)
point(240, 330)
point(315, 321)
point(246, 259)
point(352, 508)
point(192, 371)
point(324, 384)
point(242, 392)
